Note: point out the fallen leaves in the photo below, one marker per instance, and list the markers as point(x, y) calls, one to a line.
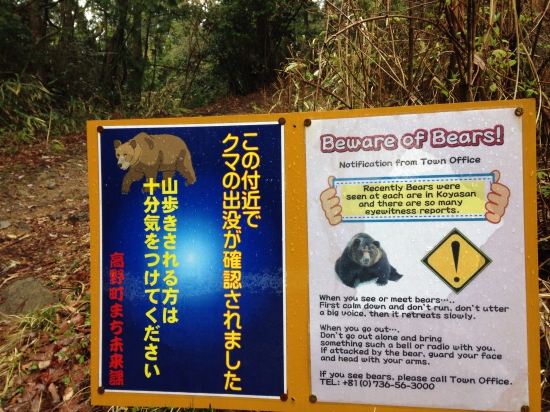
point(44, 356)
point(55, 395)
point(29, 400)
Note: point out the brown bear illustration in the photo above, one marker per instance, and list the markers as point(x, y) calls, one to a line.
point(362, 260)
point(146, 155)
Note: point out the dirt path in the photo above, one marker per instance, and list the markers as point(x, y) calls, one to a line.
point(44, 215)
point(44, 258)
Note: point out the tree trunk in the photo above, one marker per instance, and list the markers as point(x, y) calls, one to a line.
point(137, 65)
point(115, 51)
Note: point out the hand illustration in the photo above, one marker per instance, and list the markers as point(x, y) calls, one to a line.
point(497, 200)
point(331, 204)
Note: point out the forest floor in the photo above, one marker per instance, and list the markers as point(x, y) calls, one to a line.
point(45, 236)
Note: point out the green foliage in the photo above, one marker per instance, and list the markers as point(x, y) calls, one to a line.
point(23, 107)
point(248, 39)
point(367, 60)
point(27, 112)
point(182, 77)
point(15, 39)
point(543, 184)
point(70, 61)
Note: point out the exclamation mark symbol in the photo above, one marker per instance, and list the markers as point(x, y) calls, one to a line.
point(455, 246)
point(499, 134)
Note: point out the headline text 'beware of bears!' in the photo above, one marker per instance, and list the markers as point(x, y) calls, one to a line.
point(438, 138)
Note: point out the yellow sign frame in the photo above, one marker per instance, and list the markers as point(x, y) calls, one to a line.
point(299, 397)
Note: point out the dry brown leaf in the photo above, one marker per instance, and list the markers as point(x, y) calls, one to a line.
point(26, 366)
point(68, 393)
point(78, 319)
point(65, 325)
point(55, 395)
point(43, 364)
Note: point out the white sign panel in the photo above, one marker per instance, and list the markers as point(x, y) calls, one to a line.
point(417, 268)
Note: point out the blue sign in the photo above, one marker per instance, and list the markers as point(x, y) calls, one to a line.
point(192, 275)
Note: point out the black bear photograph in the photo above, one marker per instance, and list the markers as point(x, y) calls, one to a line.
point(362, 260)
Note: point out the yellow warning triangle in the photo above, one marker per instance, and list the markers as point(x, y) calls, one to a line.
point(456, 260)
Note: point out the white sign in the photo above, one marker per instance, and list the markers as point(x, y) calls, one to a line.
point(417, 268)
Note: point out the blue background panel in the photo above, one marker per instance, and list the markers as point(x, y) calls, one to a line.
point(191, 354)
